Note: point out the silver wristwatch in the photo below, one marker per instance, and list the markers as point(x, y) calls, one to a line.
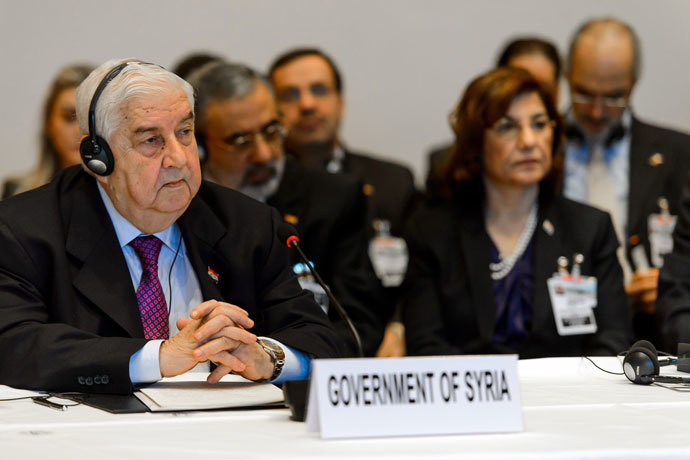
point(277, 356)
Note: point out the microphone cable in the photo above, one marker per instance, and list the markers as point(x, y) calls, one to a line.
point(601, 368)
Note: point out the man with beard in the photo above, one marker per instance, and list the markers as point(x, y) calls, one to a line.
point(618, 163)
point(238, 123)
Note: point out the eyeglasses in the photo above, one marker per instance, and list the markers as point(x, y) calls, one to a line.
point(243, 143)
point(293, 94)
point(508, 129)
point(609, 102)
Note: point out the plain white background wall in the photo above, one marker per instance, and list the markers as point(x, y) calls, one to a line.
point(405, 62)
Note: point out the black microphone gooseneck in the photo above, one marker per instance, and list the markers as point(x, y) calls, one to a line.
point(288, 234)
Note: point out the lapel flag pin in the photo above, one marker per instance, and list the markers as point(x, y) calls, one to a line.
point(213, 275)
point(656, 160)
point(548, 227)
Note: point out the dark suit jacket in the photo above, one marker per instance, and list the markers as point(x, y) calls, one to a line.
point(331, 212)
point(437, 161)
point(448, 302)
point(673, 304)
point(390, 189)
point(68, 312)
point(391, 195)
point(9, 188)
point(649, 182)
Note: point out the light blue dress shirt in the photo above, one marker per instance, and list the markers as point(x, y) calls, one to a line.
point(617, 159)
point(182, 294)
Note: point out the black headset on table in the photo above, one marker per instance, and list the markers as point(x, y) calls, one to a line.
point(641, 365)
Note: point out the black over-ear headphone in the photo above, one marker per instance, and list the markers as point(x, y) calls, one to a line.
point(641, 365)
point(95, 151)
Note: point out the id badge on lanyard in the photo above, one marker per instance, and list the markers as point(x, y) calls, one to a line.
point(573, 299)
point(308, 283)
point(388, 255)
point(660, 228)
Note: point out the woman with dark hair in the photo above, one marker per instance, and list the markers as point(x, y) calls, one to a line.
point(59, 132)
point(536, 55)
point(477, 278)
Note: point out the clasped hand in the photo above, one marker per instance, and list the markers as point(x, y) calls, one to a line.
point(216, 332)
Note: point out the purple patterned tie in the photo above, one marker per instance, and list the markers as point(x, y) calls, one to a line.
point(154, 312)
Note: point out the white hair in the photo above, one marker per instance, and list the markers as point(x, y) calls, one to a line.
point(137, 79)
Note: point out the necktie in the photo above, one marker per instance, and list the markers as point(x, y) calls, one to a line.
point(154, 312)
point(602, 194)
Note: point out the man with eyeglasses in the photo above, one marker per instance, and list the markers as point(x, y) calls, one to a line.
point(240, 128)
point(618, 163)
point(309, 92)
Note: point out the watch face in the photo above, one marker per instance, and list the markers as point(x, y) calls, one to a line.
point(273, 347)
point(270, 345)
point(277, 356)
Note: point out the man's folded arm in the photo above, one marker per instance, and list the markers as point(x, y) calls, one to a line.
point(40, 350)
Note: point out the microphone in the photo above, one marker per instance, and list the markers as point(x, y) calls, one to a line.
point(288, 234)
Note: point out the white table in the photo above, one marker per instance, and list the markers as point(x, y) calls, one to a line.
point(571, 410)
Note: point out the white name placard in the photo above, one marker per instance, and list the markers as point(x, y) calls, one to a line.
point(351, 398)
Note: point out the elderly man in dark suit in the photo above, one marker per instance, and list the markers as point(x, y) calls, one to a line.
point(615, 161)
point(242, 133)
point(134, 269)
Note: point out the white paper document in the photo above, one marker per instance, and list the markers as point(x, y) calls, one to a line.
point(191, 392)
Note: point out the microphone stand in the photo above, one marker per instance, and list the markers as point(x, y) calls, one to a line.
point(339, 308)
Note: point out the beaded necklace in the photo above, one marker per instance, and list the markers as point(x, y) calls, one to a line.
point(505, 263)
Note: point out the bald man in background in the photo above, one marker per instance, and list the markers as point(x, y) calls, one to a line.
point(614, 161)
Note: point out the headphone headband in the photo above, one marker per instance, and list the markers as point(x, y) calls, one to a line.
point(94, 150)
point(110, 76)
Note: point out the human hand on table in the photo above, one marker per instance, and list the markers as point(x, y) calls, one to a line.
point(217, 332)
